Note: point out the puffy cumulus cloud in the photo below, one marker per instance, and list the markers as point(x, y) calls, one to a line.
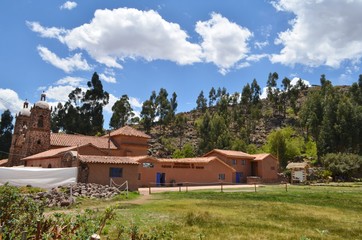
point(135, 102)
point(68, 64)
point(294, 81)
point(224, 42)
point(109, 79)
point(136, 105)
point(68, 5)
point(59, 93)
point(72, 81)
point(322, 32)
point(9, 99)
point(114, 35)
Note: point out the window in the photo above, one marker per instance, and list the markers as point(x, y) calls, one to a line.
point(148, 165)
point(221, 176)
point(40, 122)
point(233, 162)
point(243, 162)
point(115, 172)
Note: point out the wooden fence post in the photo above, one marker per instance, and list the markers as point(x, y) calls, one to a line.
point(286, 186)
point(255, 187)
point(149, 189)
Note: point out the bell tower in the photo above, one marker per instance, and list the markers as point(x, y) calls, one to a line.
point(37, 138)
point(20, 130)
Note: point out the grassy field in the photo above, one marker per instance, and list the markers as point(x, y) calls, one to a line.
point(304, 212)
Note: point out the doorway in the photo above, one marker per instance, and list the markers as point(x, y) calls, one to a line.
point(160, 179)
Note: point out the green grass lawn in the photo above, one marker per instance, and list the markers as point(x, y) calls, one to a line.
point(304, 212)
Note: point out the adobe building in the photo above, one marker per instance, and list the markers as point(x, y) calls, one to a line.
point(122, 155)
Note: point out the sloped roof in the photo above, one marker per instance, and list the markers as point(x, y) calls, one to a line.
point(128, 131)
point(187, 160)
point(3, 162)
point(230, 153)
point(194, 160)
point(50, 153)
point(297, 165)
point(67, 140)
point(261, 156)
point(109, 159)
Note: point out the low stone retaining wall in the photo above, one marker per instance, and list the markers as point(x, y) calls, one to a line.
point(61, 197)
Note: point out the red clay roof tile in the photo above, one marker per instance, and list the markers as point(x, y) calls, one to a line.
point(128, 131)
point(67, 140)
point(109, 159)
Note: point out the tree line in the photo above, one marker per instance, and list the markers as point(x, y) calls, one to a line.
point(322, 120)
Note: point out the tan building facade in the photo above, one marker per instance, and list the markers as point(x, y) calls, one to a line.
point(122, 155)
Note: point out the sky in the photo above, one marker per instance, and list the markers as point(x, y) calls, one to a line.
point(186, 47)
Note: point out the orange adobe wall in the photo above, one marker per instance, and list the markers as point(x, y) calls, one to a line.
point(239, 167)
point(100, 174)
point(51, 162)
point(176, 172)
point(268, 169)
point(130, 146)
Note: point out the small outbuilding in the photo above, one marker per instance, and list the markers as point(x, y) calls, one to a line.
point(299, 171)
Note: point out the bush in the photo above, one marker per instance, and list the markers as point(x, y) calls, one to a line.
point(343, 166)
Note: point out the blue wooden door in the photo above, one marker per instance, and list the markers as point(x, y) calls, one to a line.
point(238, 177)
point(158, 179)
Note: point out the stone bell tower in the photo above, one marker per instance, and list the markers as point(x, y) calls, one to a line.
point(37, 138)
point(21, 128)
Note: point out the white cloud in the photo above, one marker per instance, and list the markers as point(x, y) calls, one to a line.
point(135, 102)
point(52, 32)
point(322, 32)
point(122, 33)
point(109, 79)
point(256, 57)
point(59, 93)
point(68, 64)
point(68, 5)
point(264, 93)
point(72, 81)
point(261, 45)
point(224, 42)
point(294, 81)
point(9, 99)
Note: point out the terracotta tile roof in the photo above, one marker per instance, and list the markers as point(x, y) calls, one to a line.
point(50, 153)
point(128, 131)
point(3, 162)
point(67, 140)
point(261, 156)
point(230, 153)
point(187, 160)
point(109, 159)
point(297, 165)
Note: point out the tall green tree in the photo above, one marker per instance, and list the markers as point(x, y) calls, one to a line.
point(95, 98)
point(212, 96)
point(148, 112)
point(6, 128)
point(172, 108)
point(201, 102)
point(180, 127)
point(273, 91)
point(122, 112)
point(163, 107)
point(83, 112)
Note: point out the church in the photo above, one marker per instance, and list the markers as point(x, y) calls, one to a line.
point(122, 155)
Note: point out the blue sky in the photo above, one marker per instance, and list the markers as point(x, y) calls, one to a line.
point(184, 46)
